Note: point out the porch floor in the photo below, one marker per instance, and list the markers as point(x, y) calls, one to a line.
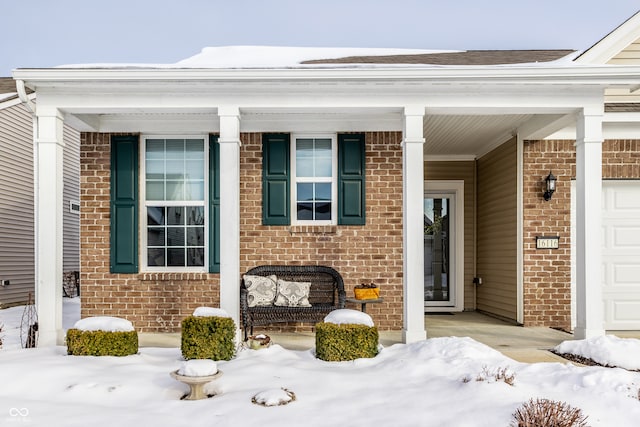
point(529, 345)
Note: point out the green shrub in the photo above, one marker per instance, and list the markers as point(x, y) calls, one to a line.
point(208, 338)
point(101, 343)
point(336, 343)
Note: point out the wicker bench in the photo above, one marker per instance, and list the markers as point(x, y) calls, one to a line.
point(326, 294)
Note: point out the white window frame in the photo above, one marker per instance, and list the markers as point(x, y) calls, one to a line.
point(334, 178)
point(143, 204)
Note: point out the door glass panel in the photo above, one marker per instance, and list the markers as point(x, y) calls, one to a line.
point(437, 250)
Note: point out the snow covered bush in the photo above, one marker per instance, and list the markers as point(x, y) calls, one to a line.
point(101, 343)
point(208, 337)
point(343, 342)
point(548, 413)
point(102, 336)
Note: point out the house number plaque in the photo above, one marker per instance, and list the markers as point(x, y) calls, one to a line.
point(547, 242)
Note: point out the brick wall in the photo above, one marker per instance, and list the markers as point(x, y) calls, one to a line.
point(360, 253)
point(154, 302)
point(547, 272)
point(157, 302)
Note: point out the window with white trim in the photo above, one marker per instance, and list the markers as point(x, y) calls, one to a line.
point(175, 212)
point(314, 187)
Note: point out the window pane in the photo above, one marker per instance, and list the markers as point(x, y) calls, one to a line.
point(194, 190)
point(305, 211)
point(304, 192)
point(195, 215)
point(175, 236)
point(304, 157)
point(323, 211)
point(195, 257)
point(175, 215)
point(155, 190)
point(155, 149)
point(155, 257)
point(155, 236)
point(194, 169)
point(175, 169)
point(175, 190)
point(155, 216)
point(322, 157)
point(155, 169)
point(175, 257)
point(323, 191)
point(194, 149)
point(175, 149)
point(195, 236)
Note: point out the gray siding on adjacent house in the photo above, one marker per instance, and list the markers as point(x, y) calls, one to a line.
point(71, 193)
point(497, 241)
point(16, 204)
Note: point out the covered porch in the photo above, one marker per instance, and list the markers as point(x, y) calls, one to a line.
point(443, 116)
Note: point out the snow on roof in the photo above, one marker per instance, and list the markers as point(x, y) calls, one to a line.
point(261, 57)
point(9, 95)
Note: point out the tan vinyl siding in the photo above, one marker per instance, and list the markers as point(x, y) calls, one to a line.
point(628, 56)
point(71, 192)
point(16, 205)
point(497, 231)
point(463, 170)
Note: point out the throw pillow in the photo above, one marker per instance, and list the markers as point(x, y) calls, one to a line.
point(292, 294)
point(261, 290)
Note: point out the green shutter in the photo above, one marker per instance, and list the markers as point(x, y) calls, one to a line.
point(351, 179)
point(214, 204)
point(276, 201)
point(124, 204)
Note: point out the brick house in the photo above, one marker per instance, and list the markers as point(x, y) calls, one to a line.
point(428, 180)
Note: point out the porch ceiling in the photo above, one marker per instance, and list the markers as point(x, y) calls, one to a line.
point(469, 135)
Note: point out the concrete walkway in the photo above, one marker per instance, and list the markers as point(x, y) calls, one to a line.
point(528, 345)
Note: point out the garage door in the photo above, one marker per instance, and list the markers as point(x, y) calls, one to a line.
point(620, 253)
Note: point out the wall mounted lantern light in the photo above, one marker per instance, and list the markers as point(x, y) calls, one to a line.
point(550, 186)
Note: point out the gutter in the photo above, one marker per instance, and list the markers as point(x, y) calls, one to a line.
point(507, 74)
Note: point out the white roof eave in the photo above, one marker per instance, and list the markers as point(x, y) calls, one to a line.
point(608, 74)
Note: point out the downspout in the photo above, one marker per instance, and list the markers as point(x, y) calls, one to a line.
point(22, 94)
point(31, 107)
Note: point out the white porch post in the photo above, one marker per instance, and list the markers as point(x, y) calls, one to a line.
point(230, 212)
point(48, 225)
point(412, 225)
point(589, 309)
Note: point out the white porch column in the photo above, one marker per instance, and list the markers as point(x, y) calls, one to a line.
point(48, 225)
point(230, 212)
point(589, 309)
point(412, 225)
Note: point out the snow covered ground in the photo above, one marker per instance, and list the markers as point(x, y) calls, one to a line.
point(437, 382)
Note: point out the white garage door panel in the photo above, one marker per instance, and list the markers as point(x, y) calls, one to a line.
point(626, 311)
point(627, 236)
point(620, 254)
point(626, 274)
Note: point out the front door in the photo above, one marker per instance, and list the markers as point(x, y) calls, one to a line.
point(439, 215)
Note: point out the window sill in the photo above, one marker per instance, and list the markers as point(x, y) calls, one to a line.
point(313, 229)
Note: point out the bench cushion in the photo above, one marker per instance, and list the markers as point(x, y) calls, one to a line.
point(261, 290)
point(292, 294)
